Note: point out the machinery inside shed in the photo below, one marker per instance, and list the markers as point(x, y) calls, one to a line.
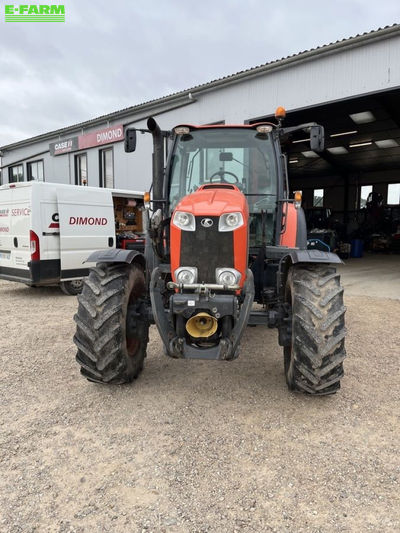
point(350, 191)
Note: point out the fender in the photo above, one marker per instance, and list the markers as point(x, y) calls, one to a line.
point(294, 256)
point(313, 256)
point(117, 255)
point(295, 234)
point(285, 254)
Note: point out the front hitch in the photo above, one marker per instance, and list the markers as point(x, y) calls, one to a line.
point(176, 346)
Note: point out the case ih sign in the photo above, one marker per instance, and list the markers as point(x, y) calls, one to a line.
point(64, 146)
point(96, 138)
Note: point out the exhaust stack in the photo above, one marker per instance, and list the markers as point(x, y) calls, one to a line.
point(158, 162)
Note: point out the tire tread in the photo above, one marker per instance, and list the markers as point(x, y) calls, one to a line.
point(318, 330)
point(100, 335)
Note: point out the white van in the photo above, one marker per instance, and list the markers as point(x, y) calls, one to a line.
point(47, 230)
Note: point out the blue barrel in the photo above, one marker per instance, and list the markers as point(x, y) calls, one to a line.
point(357, 248)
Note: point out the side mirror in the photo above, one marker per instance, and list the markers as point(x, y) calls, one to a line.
point(317, 138)
point(130, 139)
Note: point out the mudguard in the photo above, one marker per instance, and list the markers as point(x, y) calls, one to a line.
point(117, 255)
point(313, 256)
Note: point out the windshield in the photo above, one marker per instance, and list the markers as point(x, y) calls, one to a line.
point(239, 156)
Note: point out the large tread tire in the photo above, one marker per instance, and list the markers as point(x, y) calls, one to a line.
point(314, 361)
point(105, 353)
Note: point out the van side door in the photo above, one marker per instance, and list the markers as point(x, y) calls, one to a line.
point(87, 224)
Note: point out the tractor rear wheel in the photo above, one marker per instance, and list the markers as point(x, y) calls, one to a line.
point(314, 359)
point(110, 348)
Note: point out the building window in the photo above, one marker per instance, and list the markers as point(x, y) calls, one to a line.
point(106, 168)
point(393, 197)
point(35, 170)
point(81, 169)
point(318, 198)
point(16, 173)
point(365, 191)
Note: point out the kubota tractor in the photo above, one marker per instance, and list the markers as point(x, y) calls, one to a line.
point(223, 234)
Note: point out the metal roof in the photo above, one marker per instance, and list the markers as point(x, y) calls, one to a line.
point(175, 98)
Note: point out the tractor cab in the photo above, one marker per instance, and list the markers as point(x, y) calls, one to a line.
point(243, 156)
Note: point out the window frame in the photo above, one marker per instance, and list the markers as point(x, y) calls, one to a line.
point(102, 167)
point(29, 169)
point(10, 168)
point(359, 194)
point(387, 195)
point(323, 198)
point(77, 165)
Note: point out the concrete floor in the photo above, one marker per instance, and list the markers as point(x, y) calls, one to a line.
point(376, 275)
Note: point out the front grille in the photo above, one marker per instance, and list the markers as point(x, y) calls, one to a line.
point(207, 249)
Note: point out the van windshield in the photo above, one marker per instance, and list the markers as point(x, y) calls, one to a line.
point(240, 156)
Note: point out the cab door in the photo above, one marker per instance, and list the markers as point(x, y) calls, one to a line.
point(87, 224)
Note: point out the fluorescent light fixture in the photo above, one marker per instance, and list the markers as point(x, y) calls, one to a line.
point(338, 150)
point(310, 154)
point(386, 143)
point(343, 133)
point(291, 161)
point(301, 140)
point(362, 118)
point(356, 145)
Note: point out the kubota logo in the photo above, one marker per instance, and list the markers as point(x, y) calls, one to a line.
point(87, 221)
point(206, 222)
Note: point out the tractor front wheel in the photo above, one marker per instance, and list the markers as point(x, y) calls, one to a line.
point(111, 345)
point(314, 359)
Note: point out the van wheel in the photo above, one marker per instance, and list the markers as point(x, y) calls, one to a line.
point(112, 332)
point(72, 288)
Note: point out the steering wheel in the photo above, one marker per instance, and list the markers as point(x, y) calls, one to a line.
point(220, 173)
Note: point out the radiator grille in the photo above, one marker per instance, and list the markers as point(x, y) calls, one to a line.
point(207, 249)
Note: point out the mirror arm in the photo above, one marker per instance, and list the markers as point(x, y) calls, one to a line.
point(284, 131)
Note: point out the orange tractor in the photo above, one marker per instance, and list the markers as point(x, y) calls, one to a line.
point(222, 234)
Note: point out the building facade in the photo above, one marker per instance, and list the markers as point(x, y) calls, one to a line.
point(92, 153)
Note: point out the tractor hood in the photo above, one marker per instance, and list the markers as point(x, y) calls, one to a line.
point(214, 200)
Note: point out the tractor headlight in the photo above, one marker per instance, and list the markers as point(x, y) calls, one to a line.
point(186, 275)
point(184, 221)
point(230, 221)
point(227, 276)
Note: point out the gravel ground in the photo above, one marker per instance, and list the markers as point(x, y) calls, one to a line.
point(195, 446)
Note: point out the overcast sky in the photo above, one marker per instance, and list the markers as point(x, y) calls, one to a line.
point(113, 54)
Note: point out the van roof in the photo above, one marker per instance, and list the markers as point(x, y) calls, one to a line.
point(114, 192)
